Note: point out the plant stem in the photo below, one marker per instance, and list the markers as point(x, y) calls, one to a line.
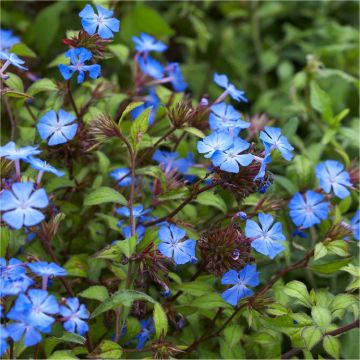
point(11, 117)
point(72, 100)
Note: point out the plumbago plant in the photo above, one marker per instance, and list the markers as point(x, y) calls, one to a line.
point(163, 233)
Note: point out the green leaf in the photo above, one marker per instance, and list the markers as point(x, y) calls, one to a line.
point(109, 350)
point(77, 266)
point(104, 195)
point(311, 336)
point(320, 251)
point(72, 338)
point(42, 85)
point(63, 354)
point(5, 236)
point(342, 301)
point(321, 102)
point(196, 288)
point(160, 321)
point(104, 162)
point(330, 268)
point(332, 346)
point(22, 49)
point(338, 247)
point(287, 184)
point(96, 293)
point(139, 127)
point(121, 297)
point(127, 246)
point(14, 82)
point(208, 198)
point(321, 316)
point(298, 290)
point(60, 59)
point(352, 270)
point(209, 301)
point(128, 110)
point(195, 131)
point(16, 94)
point(120, 51)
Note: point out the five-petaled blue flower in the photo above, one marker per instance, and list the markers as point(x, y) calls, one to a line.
point(171, 161)
point(146, 43)
point(11, 152)
point(103, 23)
point(333, 177)
point(151, 67)
point(74, 315)
point(225, 116)
point(43, 166)
point(138, 212)
point(355, 225)
point(78, 57)
point(57, 128)
point(140, 231)
point(216, 141)
point(147, 328)
point(42, 268)
point(7, 39)
point(248, 276)
point(308, 209)
point(265, 237)
point(20, 205)
point(12, 59)
point(119, 173)
point(151, 99)
point(231, 159)
point(223, 81)
point(176, 77)
point(273, 139)
point(171, 245)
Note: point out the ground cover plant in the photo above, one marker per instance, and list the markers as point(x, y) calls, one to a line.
point(179, 180)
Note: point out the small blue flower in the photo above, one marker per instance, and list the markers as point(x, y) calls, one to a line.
point(3, 339)
point(266, 237)
point(20, 205)
point(308, 209)
point(224, 117)
point(42, 268)
point(355, 225)
point(333, 177)
point(151, 99)
point(231, 159)
point(138, 212)
point(151, 67)
point(43, 166)
point(176, 77)
point(171, 161)
point(273, 139)
point(11, 152)
point(147, 328)
point(37, 306)
point(146, 43)
point(120, 173)
point(12, 59)
point(171, 245)
point(215, 141)
point(223, 81)
point(140, 231)
point(7, 39)
point(242, 215)
point(74, 315)
point(248, 276)
point(103, 23)
point(57, 128)
point(261, 174)
point(78, 57)
point(12, 270)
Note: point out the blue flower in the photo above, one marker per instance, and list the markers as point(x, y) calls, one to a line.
point(103, 23)
point(42, 268)
point(308, 210)
point(171, 245)
point(225, 116)
point(43, 166)
point(3, 339)
point(78, 57)
point(120, 173)
point(241, 280)
point(147, 43)
point(355, 225)
point(37, 306)
point(138, 212)
point(266, 160)
point(12, 59)
point(74, 315)
point(147, 328)
point(231, 159)
point(151, 99)
point(273, 139)
point(11, 152)
point(333, 177)
point(151, 67)
point(140, 231)
point(223, 81)
point(170, 161)
point(7, 39)
point(21, 203)
point(57, 128)
point(215, 141)
point(266, 237)
point(176, 77)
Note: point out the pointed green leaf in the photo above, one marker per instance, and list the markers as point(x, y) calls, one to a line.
point(332, 346)
point(160, 321)
point(104, 195)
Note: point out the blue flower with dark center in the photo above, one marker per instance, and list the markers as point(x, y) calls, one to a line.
point(7, 39)
point(138, 212)
point(232, 159)
point(216, 141)
point(248, 276)
point(103, 23)
point(12, 59)
point(223, 81)
point(147, 328)
point(171, 161)
point(224, 117)
point(43, 166)
point(273, 139)
point(42, 268)
point(119, 173)
point(146, 43)
point(3, 340)
point(78, 57)
point(57, 128)
point(333, 177)
point(355, 225)
point(176, 77)
point(151, 99)
point(74, 315)
point(20, 205)
point(151, 67)
point(308, 209)
point(266, 236)
point(11, 152)
point(171, 245)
